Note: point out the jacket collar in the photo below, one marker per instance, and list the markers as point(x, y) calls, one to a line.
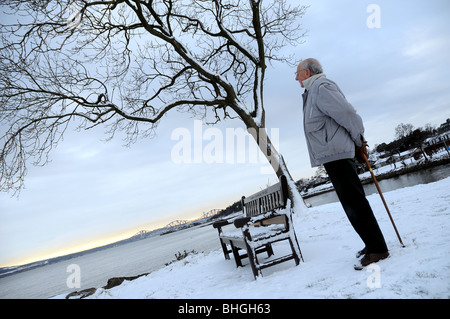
point(309, 81)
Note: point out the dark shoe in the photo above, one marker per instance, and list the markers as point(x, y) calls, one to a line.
point(373, 258)
point(362, 252)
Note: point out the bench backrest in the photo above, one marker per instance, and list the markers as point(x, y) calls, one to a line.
point(267, 200)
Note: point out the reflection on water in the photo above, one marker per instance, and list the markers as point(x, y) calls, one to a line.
point(421, 177)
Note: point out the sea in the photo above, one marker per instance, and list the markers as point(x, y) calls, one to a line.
point(130, 259)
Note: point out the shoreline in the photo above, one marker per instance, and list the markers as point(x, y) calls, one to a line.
point(390, 174)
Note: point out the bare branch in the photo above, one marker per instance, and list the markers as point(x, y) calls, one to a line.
point(124, 64)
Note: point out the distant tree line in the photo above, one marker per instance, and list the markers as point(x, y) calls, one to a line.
point(233, 208)
point(406, 138)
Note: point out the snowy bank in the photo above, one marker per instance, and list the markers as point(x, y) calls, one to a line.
point(328, 243)
point(385, 172)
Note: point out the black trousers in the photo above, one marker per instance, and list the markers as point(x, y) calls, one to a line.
point(348, 187)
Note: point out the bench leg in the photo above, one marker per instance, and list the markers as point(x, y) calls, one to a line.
point(297, 254)
point(225, 249)
point(237, 257)
point(254, 263)
point(269, 250)
point(294, 238)
point(294, 252)
point(222, 243)
point(252, 256)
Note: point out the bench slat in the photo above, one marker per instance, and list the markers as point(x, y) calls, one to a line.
point(267, 200)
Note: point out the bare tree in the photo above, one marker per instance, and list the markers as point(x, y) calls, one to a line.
point(124, 64)
point(403, 130)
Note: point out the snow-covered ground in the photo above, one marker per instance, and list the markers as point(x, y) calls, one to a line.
point(328, 243)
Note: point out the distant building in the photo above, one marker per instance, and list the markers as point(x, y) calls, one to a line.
point(445, 127)
point(434, 143)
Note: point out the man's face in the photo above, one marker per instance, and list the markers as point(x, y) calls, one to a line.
point(302, 75)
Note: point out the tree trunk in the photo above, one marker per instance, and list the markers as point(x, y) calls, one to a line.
point(278, 164)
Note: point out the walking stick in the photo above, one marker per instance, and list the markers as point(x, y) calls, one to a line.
point(382, 198)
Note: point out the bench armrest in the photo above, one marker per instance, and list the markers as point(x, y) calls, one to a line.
point(241, 222)
point(221, 223)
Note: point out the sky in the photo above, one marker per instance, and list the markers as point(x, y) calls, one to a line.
point(388, 57)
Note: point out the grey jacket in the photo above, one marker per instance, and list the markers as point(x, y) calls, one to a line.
point(332, 126)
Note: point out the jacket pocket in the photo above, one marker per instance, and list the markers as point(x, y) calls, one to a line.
point(316, 133)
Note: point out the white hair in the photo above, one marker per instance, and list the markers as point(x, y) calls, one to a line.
point(313, 65)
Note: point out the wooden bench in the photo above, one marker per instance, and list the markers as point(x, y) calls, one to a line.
point(266, 221)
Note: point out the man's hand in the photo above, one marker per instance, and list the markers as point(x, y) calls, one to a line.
point(361, 152)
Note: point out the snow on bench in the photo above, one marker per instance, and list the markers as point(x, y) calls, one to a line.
point(267, 220)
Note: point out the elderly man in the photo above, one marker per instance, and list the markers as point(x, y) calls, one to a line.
point(334, 136)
